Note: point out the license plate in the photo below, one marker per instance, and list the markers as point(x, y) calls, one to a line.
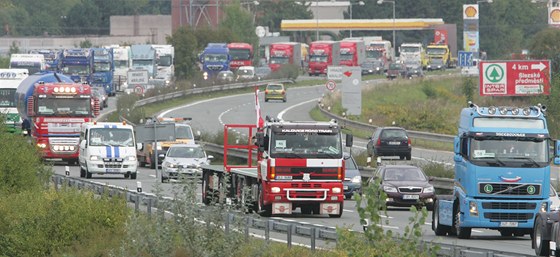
point(345, 187)
point(111, 170)
point(283, 177)
point(394, 143)
point(508, 224)
point(411, 197)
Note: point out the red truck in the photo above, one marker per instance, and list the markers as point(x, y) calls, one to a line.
point(53, 109)
point(241, 55)
point(284, 53)
point(321, 56)
point(352, 52)
point(298, 165)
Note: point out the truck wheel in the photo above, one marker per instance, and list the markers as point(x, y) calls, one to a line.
point(462, 232)
point(264, 210)
point(88, 174)
point(440, 230)
point(542, 247)
point(133, 175)
point(339, 213)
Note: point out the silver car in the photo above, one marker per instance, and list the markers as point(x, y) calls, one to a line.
point(184, 160)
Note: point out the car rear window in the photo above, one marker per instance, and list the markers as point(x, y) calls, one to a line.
point(274, 87)
point(393, 133)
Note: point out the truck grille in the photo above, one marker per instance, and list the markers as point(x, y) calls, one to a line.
point(509, 189)
point(509, 206)
point(215, 67)
point(508, 216)
point(314, 173)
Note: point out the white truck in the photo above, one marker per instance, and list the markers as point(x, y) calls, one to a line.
point(411, 53)
point(108, 148)
point(165, 55)
point(32, 62)
point(9, 82)
point(121, 58)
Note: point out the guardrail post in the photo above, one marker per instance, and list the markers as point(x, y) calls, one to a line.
point(490, 254)
point(226, 225)
point(289, 236)
point(313, 238)
point(248, 221)
point(149, 207)
point(267, 230)
point(137, 203)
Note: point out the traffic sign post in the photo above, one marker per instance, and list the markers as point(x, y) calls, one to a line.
point(514, 78)
point(465, 59)
point(331, 85)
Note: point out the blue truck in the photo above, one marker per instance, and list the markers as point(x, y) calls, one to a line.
point(103, 69)
point(215, 58)
point(77, 63)
point(144, 58)
point(502, 172)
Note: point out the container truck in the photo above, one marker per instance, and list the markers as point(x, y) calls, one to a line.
point(215, 58)
point(53, 109)
point(144, 58)
point(352, 52)
point(321, 55)
point(77, 63)
point(241, 55)
point(32, 62)
point(285, 53)
point(103, 68)
point(9, 82)
point(300, 164)
point(502, 172)
point(165, 55)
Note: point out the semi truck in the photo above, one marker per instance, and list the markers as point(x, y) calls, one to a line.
point(9, 82)
point(382, 44)
point(32, 62)
point(321, 55)
point(165, 55)
point(241, 55)
point(502, 172)
point(441, 53)
point(122, 62)
point(52, 58)
point(77, 63)
point(103, 68)
point(300, 164)
point(352, 52)
point(215, 58)
point(53, 108)
point(411, 53)
point(285, 53)
point(144, 58)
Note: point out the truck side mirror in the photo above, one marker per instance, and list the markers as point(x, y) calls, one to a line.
point(349, 140)
point(139, 146)
point(556, 152)
point(83, 144)
point(259, 136)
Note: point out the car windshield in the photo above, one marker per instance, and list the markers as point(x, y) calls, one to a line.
point(395, 66)
point(404, 174)
point(111, 137)
point(186, 152)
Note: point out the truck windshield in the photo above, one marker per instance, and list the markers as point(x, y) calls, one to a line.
point(374, 54)
point(121, 64)
point(215, 58)
point(240, 54)
point(102, 67)
point(182, 132)
point(32, 67)
point(76, 69)
point(165, 61)
point(142, 63)
point(303, 145)
point(409, 49)
point(346, 57)
point(318, 58)
point(7, 97)
point(111, 137)
point(75, 107)
point(510, 152)
point(436, 51)
point(279, 60)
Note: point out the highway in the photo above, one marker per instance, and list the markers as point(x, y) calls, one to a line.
point(210, 115)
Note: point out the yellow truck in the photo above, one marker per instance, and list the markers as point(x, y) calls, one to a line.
point(183, 135)
point(439, 57)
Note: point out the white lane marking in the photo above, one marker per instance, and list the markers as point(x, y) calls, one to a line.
point(281, 114)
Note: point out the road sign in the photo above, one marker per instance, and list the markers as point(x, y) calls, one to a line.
point(465, 59)
point(352, 90)
point(139, 90)
point(137, 77)
point(514, 78)
point(334, 72)
point(331, 85)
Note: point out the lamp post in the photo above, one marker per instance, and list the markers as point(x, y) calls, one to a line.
point(394, 41)
point(352, 4)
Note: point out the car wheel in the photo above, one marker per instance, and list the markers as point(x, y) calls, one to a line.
point(266, 100)
point(88, 174)
point(126, 175)
point(133, 175)
point(82, 172)
point(409, 156)
point(401, 157)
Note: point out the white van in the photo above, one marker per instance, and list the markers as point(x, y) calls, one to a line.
point(108, 148)
point(245, 73)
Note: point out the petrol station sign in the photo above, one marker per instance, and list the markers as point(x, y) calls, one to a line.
point(514, 78)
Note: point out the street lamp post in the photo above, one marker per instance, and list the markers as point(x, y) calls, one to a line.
point(351, 4)
point(394, 37)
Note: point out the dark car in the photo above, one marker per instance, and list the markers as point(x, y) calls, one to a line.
point(436, 64)
point(225, 76)
point(352, 177)
point(262, 72)
point(390, 141)
point(396, 70)
point(414, 70)
point(405, 186)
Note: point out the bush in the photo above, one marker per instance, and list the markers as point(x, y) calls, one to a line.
point(288, 71)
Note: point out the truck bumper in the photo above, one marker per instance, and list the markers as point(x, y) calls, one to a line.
point(285, 197)
point(500, 214)
point(112, 167)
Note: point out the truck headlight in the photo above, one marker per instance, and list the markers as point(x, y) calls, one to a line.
point(94, 158)
point(473, 208)
point(389, 189)
point(357, 179)
point(429, 189)
point(336, 190)
point(275, 190)
point(131, 158)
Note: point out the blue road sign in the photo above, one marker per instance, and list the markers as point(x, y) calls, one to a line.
point(465, 58)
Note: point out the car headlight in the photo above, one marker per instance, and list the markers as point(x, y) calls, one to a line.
point(429, 189)
point(389, 189)
point(94, 158)
point(170, 165)
point(131, 158)
point(357, 179)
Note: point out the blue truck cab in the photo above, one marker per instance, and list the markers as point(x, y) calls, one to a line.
point(77, 63)
point(103, 68)
point(215, 58)
point(502, 172)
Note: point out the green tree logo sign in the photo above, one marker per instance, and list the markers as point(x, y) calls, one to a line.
point(494, 73)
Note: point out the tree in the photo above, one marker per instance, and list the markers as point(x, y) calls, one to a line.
point(274, 11)
point(545, 46)
point(186, 51)
point(239, 22)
